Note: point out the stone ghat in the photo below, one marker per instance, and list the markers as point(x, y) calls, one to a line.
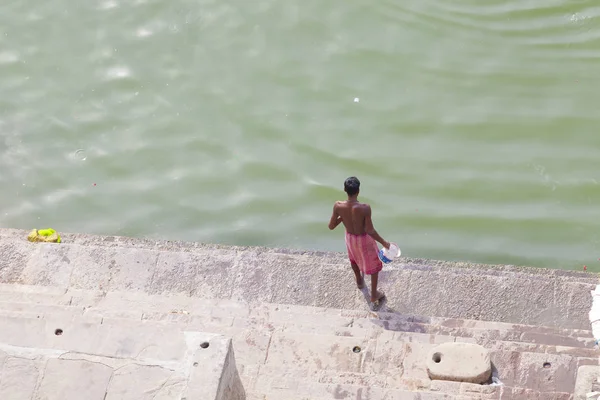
point(299, 327)
point(131, 345)
point(531, 296)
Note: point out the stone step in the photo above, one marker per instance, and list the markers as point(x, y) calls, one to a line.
point(288, 318)
point(252, 337)
point(439, 390)
point(67, 359)
point(282, 314)
point(343, 322)
point(302, 341)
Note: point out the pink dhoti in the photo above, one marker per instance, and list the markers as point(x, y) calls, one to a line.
point(363, 251)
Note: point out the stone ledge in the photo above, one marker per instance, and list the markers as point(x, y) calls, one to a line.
point(493, 293)
point(119, 364)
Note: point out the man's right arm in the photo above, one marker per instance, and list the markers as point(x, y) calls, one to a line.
point(370, 229)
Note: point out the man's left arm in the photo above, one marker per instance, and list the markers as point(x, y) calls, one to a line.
point(335, 218)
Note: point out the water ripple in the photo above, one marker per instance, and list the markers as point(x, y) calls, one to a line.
point(234, 122)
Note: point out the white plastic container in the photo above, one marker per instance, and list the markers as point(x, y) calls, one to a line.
point(388, 255)
point(594, 314)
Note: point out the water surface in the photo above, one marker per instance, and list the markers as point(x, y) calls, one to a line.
point(474, 134)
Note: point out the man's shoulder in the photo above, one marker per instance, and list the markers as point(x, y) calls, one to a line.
point(365, 207)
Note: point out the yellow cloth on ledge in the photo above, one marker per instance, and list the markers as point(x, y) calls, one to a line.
point(44, 235)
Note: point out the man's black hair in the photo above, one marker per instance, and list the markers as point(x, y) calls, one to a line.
point(351, 185)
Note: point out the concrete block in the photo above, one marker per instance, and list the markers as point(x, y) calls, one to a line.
point(423, 338)
point(202, 274)
point(415, 360)
point(360, 334)
point(14, 256)
point(388, 357)
point(546, 372)
point(50, 265)
point(151, 382)
point(484, 392)
point(282, 317)
point(104, 268)
point(124, 341)
point(23, 332)
point(118, 300)
point(274, 278)
point(295, 351)
point(74, 379)
point(214, 375)
point(460, 362)
point(18, 378)
point(587, 376)
point(447, 387)
point(352, 378)
point(251, 346)
point(556, 340)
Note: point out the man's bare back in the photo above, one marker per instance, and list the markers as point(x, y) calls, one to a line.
point(356, 218)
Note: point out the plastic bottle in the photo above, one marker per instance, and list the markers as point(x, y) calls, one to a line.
point(388, 255)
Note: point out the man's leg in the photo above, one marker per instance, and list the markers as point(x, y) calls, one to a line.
point(375, 295)
point(360, 282)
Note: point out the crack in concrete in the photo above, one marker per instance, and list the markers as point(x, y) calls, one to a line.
point(40, 379)
point(268, 348)
point(161, 387)
point(154, 271)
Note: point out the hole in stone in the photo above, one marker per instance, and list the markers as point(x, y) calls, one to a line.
point(547, 365)
point(437, 357)
point(58, 332)
point(356, 349)
point(205, 345)
point(195, 364)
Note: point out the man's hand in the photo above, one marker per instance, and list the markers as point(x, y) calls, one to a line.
point(386, 245)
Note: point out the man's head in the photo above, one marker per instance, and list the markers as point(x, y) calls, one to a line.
point(352, 186)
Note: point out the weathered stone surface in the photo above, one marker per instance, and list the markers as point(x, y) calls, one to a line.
point(27, 332)
point(546, 372)
point(460, 362)
point(587, 377)
point(151, 382)
point(137, 321)
point(294, 351)
point(202, 274)
point(101, 268)
point(14, 255)
point(18, 378)
point(50, 265)
point(74, 379)
point(214, 373)
point(124, 340)
point(521, 295)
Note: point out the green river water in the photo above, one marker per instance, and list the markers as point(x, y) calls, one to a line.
point(474, 130)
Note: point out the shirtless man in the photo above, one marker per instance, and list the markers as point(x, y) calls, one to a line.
point(360, 237)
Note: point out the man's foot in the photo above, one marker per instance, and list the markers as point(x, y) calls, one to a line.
point(377, 296)
point(360, 284)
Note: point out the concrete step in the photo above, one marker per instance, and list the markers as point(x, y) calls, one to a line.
point(309, 344)
point(334, 324)
point(63, 358)
point(439, 391)
point(153, 307)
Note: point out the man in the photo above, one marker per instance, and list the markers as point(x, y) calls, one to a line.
point(360, 237)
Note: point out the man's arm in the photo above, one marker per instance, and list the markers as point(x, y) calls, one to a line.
point(370, 229)
point(335, 219)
